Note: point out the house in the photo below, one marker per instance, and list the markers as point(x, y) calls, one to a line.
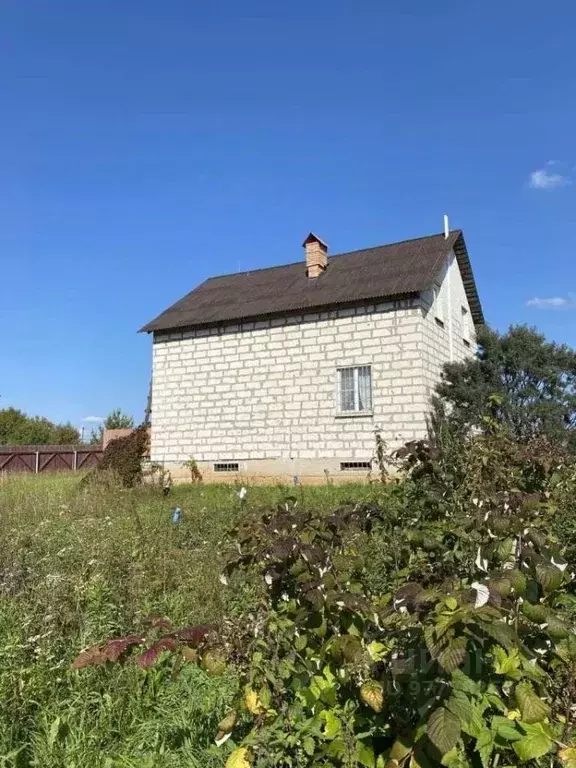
point(286, 372)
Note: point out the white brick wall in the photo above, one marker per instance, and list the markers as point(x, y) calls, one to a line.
point(264, 393)
point(444, 344)
point(267, 390)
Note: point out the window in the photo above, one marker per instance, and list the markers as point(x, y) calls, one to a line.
point(226, 466)
point(355, 389)
point(466, 325)
point(351, 466)
point(438, 305)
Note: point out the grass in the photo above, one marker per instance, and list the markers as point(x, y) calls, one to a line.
point(78, 566)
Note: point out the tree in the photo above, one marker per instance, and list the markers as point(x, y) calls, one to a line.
point(65, 434)
point(116, 419)
point(17, 428)
point(517, 379)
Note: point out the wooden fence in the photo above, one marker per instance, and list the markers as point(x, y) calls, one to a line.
point(48, 458)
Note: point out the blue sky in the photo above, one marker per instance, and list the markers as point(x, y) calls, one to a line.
point(145, 146)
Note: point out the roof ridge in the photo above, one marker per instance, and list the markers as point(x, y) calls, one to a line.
point(332, 255)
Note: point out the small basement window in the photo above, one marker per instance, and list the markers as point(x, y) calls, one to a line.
point(226, 466)
point(355, 389)
point(351, 466)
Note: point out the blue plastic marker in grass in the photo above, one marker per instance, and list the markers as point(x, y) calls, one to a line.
point(176, 515)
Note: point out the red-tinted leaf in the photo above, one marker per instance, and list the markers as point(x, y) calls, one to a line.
point(89, 657)
point(118, 646)
point(158, 622)
point(149, 657)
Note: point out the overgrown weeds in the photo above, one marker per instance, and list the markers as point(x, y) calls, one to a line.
point(81, 564)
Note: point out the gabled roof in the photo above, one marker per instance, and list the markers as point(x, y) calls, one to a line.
point(396, 270)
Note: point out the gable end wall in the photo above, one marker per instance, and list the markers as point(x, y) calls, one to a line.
point(445, 344)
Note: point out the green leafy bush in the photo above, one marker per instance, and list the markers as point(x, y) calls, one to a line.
point(456, 670)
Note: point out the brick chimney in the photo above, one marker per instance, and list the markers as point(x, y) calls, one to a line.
point(316, 255)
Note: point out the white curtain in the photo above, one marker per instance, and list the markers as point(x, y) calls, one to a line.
point(364, 388)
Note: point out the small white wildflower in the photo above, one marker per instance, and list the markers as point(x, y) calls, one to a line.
point(268, 579)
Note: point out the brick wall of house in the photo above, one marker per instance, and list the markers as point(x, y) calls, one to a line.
point(446, 343)
point(264, 394)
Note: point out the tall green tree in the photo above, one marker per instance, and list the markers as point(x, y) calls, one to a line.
point(17, 428)
point(116, 419)
point(519, 379)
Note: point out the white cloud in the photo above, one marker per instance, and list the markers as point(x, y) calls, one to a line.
point(543, 178)
point(93, 419)
point(553, 302)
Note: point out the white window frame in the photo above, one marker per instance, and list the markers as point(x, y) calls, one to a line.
point(357, 410)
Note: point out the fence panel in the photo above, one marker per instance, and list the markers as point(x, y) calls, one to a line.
point(38, 459)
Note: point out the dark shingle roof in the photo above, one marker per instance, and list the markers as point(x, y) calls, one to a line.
point(398, 269)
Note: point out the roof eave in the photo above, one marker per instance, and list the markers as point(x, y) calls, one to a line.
point(467, 273)
point(149, 328)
